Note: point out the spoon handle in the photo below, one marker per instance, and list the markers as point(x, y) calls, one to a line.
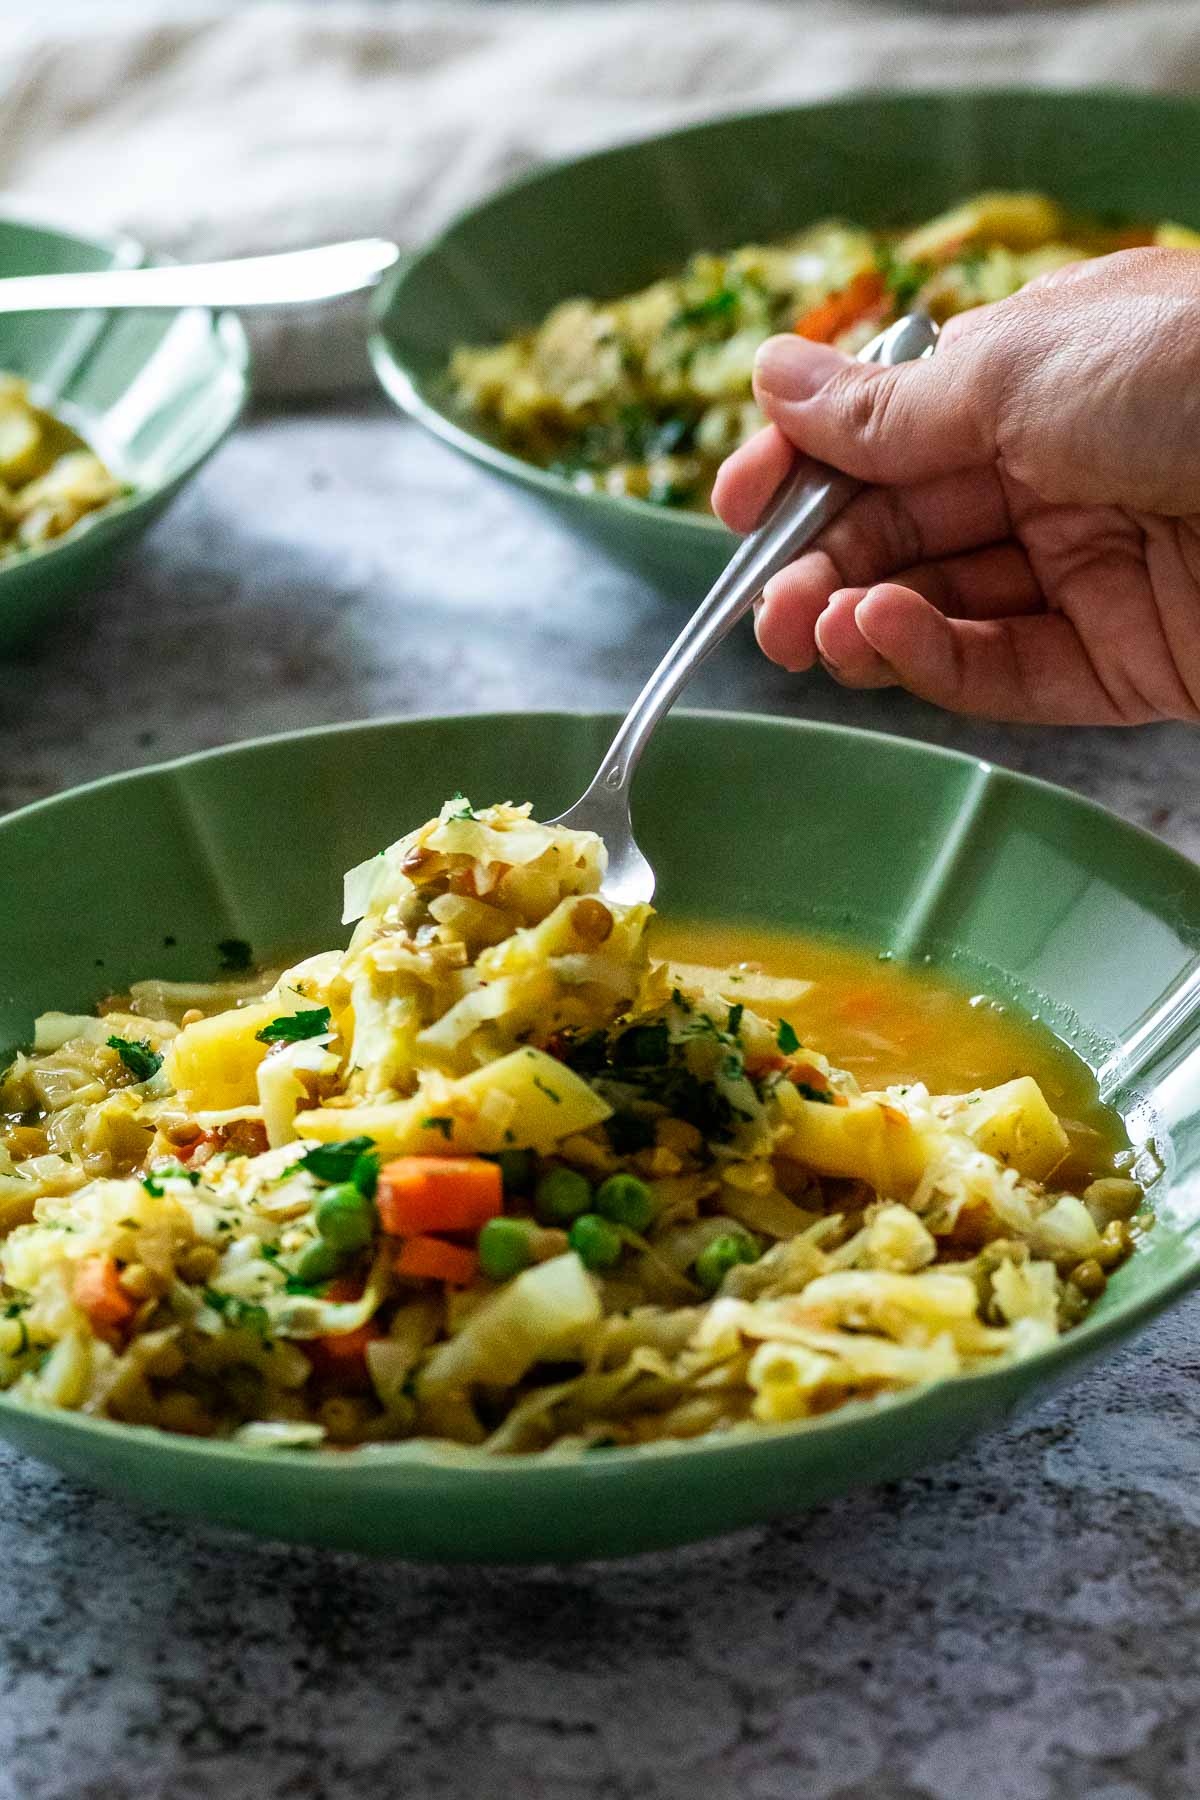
point(288, 278)
point(808, 499)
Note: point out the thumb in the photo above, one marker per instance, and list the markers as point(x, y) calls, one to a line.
point(909, 423)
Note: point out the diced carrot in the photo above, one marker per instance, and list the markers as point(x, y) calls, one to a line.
point(344, 1288)
point(827, 321)
point(1134, 237)
point(340, 1358)
point(438, 1193)
point(97, 1291)
point(198, 1151)
point(813, 1078)
point(805, 1076)
point(348, 1346)
point(430, 1259)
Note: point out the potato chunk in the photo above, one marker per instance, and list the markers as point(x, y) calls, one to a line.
point(1014, 1124)
point(866, 1140)
point(213, 1064)
point(525, 1100)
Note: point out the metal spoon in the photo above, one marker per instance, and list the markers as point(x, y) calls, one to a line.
point(807, 500)
point(289, 278)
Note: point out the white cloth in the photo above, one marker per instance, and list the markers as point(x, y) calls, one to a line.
point(277, 125)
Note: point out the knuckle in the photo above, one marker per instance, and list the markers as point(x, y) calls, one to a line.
point(869, 408)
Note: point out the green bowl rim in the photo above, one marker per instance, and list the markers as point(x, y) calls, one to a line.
point(403, 388)
point(229, 337)
point(431, 1455)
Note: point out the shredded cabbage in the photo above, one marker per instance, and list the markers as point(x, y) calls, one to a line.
point(697, 1221)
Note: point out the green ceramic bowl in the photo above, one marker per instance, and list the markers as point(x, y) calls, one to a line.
point(1015, 885)
point(614, 221)
point(153, 393)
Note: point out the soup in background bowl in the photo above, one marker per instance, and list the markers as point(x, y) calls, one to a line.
point(633, 217)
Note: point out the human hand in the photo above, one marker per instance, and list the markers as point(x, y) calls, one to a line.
point(1029, 548)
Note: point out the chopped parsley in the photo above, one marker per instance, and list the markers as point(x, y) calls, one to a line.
point(139, 1058)
point(294, 1285)
point(586, 1054)
point(465, 810)
point(238, 1314)
point(822, 1096)
point(167, 1172)
point(715, 307)
point(628, 1132)
point(354, 1159)
point(293, 1028)
point(548, 1091)
point(734, 1022)
point(787, 1039)
point(642, 1047)
point(235, 954)
point(903, 280)
point(440, 1123)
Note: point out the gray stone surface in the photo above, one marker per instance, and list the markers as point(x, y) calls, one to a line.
point(1020, 1624)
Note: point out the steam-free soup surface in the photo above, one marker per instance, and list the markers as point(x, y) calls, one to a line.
point(891, 1024)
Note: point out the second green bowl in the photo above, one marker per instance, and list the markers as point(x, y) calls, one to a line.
point(610, 223)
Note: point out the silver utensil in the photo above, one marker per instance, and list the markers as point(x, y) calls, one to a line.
point(808, 499)
point(288, 278)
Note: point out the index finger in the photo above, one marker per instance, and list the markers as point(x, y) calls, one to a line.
point(747, 479)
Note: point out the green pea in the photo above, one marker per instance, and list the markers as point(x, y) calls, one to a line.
point(626, 1201)
point(561, 1195)
point(516, 1170)
point(722, 1254)
point(597, 1242)
point(319, 1261)
point(504, 1248)
point(345, 1217)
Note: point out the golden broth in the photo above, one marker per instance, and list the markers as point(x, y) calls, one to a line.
point(890, 1024)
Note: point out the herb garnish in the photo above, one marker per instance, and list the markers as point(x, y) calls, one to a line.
point(440, 1123)
point(293, 1028)
point(152, 1182)
point(238, 1314)
point(294, 1285)
point(354, 1159)
point(787, 1039)
point(715, 306)
point(139, 1058)
point(903, 280)
point(628, 1132)
point(642, 1046)
point(822, 1096)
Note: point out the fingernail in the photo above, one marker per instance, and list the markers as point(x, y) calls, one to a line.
point(792, 368)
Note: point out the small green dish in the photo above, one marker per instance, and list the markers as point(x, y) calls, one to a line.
point(612, 222)
point(1015, 886)
point(152, 393)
